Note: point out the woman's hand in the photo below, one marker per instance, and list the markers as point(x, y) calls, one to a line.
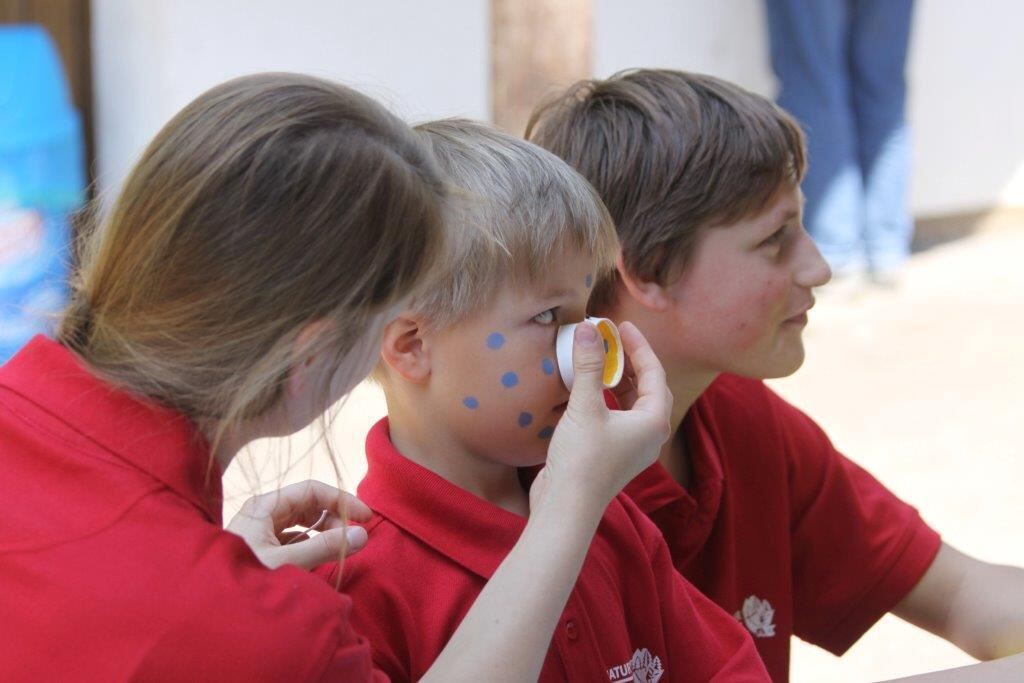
point(263, 519)
point(595, 451)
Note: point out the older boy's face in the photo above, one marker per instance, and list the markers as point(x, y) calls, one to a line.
point(494, 376)
point(741, 306)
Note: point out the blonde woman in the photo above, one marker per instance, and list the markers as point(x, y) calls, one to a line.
point(237, 289)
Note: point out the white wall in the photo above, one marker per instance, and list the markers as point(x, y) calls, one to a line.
point(151, 57)
point(966, 104)
point(429, 59)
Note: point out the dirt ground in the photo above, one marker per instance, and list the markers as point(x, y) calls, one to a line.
point(919, 385)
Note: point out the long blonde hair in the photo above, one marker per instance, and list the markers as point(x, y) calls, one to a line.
point(268, 203)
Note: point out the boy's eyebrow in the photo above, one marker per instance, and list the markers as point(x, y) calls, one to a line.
point(788, 216)
point(544, 296)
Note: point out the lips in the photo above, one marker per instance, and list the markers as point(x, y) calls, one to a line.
point(560, 408)
point(797, 320)
point(800, 317)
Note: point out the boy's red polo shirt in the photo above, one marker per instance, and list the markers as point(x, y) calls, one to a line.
point(433, 546)
point(113, 562)
point(779, 528)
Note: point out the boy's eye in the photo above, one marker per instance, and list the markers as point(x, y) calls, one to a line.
point(774, 238)
point(546, 317)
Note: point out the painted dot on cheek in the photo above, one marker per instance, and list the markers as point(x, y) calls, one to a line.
point(525, 419)
point(548, 366)
point(509, 380)
point(589, 280)
point(546, 433)
point(471, 402)
point(495, 340)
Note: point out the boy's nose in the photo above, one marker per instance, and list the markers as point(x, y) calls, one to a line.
point(812, 270)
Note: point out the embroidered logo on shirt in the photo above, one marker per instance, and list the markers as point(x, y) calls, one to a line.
point(642, 668)
point(758, 616)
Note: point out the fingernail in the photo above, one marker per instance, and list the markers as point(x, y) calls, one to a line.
point(586, 333)
point(356, 536)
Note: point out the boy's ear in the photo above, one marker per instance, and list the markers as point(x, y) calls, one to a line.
point(647, 293)
point(405, 348)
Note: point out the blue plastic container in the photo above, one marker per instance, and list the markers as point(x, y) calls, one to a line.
point(41, 182)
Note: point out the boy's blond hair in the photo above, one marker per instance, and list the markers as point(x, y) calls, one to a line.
point(516, 207)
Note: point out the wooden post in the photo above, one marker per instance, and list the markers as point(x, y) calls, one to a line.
point(538, 47)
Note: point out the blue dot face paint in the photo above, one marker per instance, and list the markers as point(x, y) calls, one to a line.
point(495, 340)
point(548, 366)
point(509, 380)
point(471, 402)
point(589, 280)
point(546, 433)
point(525, 419)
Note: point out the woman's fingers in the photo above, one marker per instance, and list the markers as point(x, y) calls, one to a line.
point(652, 393)
point(263, 520)
point(587, 395)
point(594, 452)
point(314, 551)
point(303, 503)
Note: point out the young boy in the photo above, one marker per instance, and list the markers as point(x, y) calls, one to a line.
point(473, 397)
point(759, 510)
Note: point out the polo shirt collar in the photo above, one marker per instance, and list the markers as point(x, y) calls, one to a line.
point(656, 493)
point(469, 530)
point(143, 434)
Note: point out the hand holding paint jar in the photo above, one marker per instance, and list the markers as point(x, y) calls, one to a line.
point(614, 357)
point(595, 451)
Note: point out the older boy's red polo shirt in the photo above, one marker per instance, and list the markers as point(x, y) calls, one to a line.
point(113, 562)
point(779, 528)
point(433, 546)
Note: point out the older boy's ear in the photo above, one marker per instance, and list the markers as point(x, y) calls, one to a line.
point(647, 293)
point(405, 349)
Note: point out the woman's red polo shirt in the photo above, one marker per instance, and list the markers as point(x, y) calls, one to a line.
point(113, 561)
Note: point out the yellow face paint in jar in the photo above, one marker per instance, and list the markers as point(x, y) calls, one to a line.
point(614, 357)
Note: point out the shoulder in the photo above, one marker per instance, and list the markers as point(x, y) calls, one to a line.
point(238, 619)
point(624, 516)
point(747, 415)
point(396, 579)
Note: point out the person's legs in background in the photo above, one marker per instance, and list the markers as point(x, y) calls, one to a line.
point(810, 54)
point(880, 31)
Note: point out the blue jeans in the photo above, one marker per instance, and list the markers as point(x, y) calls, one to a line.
point(841, 66)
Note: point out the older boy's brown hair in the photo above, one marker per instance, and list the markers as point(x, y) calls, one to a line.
point(670, 153)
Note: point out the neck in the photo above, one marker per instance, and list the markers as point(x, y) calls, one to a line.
point(686, 380)
point(686, 388)
point(227, 443)
point(417, 436)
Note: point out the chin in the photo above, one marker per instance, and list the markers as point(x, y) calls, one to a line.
point(781, 365)
point(786, 367)
point(525, 457)
point(531, 459)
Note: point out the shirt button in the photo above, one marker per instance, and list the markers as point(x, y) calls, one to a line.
point(571, 630)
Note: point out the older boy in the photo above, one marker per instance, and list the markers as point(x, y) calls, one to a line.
point(759, 510)
point(473, 396)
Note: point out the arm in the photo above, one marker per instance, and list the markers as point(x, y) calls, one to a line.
point(977, 606)
point(594, 453)
point(846, 526)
